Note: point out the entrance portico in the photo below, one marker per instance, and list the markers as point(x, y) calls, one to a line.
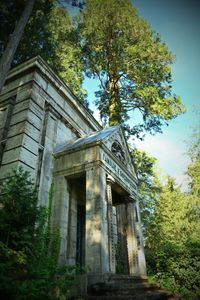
point(96, 205)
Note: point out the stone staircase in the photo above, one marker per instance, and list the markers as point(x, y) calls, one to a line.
point(125, 287)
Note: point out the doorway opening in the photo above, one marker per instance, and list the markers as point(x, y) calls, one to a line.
point(121, 248)
point(77, 217)
point(80, 235)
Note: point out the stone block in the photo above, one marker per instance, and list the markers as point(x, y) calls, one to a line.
point(21, 154)
point(22, 140)
point(24, 127)
point(26, 116)
point(23, 92)
point(6, 170)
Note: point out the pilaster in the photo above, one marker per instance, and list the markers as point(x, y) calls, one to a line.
point(60, 218)
point(96, 221)
point(132, 240)
point(111, 242)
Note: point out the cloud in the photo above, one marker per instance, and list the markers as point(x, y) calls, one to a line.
point(169, 153)
point(96, 115)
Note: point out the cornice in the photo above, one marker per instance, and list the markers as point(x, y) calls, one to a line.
point(39, 65)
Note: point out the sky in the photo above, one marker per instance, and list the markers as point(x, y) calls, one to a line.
point(177, 21)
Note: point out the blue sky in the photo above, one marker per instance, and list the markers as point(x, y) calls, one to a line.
point(177, 21)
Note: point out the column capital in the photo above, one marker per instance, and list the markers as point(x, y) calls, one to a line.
point(110, 179)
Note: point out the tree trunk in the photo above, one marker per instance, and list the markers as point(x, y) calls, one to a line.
point(13, 42)
point(115, 117)
point(114, 109)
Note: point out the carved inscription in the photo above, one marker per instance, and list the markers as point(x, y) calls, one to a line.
point(119, 173)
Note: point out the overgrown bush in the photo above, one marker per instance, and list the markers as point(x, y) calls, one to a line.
point(28, 248)
point(177, 268)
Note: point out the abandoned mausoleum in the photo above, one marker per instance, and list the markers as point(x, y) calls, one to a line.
point(48, 131)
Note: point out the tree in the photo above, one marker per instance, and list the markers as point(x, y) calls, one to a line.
point(29, 249)
point(17, 195)
point(53, 38)
point(130, 61)
point(9, 52)
point(8, 19)
point(171, 217)
point(149, 186)
point(75, 3)
point(18, 215)
point(194, 186)
point(172, 244)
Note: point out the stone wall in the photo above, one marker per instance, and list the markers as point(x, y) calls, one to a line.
point(37, 113)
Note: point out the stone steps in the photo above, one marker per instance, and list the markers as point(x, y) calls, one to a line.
point(150, 295)
point(154, 296)
point(125, 287)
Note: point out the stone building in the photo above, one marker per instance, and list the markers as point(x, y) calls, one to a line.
point(45, 129)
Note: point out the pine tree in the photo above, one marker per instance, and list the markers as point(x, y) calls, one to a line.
point(149, 186)
point(130, 61)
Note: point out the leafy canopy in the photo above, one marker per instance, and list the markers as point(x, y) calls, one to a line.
point(130, 61)
point(149, 186)
point(52, 37)
point(171, 224)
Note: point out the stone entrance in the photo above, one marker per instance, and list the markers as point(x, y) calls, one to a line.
point(45, 129)
point(96, 206)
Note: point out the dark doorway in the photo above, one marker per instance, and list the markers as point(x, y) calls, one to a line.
point(80, 237)
point(77, 223)
point(122, 264)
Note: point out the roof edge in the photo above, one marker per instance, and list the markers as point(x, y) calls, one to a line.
point(38, 63)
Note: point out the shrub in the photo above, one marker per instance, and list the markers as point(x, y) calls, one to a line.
point(28, 248)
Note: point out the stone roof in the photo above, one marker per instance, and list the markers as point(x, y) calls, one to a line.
point(91, 138)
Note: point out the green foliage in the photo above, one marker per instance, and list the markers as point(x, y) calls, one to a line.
point(149, 186)
point(10, 12)
point(17, 196)
point(18, 214)
point(130, 61)
point(194, 167)
point(173, 243)
point(29, 248)
point(53, 38)
point(177, 267)
point(171, 220)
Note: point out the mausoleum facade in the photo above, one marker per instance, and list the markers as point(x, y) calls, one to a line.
point(47, 130)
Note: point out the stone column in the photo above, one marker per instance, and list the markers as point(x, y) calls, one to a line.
point(140, 246)
point(132, 240)
point(45, 157)
point(111, 242)
point(96, 221)
point(60, 215)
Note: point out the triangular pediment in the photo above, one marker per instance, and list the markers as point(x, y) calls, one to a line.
point(112, 137)
point(117, 144)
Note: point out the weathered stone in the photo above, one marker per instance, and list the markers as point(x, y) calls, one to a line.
point(47, 130)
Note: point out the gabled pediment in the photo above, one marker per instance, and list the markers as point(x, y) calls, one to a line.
point(112, 137)
point(117, 144)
